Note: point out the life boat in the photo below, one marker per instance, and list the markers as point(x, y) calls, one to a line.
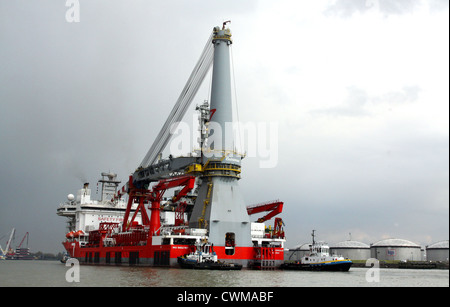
point(78, 233)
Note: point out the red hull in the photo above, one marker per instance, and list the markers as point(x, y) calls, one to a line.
point(166, 255)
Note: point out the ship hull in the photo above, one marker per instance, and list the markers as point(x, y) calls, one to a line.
point(20, 258)
point(194, 265)
point(158, 255)
point(334, 266)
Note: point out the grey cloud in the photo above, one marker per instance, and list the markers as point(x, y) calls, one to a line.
point(345, 8)
point(354, 104)
point(358, 101)
point(79, 99)
point(438, 5)
point(408, 94)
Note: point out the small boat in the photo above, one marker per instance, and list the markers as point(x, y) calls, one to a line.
point(204, 258)
point(64, 258)
point(319, 259)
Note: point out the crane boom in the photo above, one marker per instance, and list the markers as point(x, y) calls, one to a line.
point(8, 245)
point(275, 208)
point(184, 100)
point(21, 242)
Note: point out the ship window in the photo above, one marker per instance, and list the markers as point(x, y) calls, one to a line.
point(183, 241)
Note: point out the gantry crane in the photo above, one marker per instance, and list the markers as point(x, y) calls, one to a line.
point(143, 196)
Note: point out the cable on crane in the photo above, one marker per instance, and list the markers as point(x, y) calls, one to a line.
point(184, 100)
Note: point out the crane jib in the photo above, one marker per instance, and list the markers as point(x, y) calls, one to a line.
point(184, 100)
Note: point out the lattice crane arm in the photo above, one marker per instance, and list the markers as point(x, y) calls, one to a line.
point(21, 242)
point(184, 100)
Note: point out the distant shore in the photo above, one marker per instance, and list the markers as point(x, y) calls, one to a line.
point(440, 265)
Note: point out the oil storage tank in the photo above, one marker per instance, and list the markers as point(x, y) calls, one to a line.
point(297, 252)
point(437, 251)
point(396, 249)
point(353, 250)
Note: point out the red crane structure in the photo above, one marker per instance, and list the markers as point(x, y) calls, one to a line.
point(21, 242)
point(218, 214)
point(143, 196)
point(274, 207)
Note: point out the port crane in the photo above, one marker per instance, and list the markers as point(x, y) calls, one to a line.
point(21, 242)
point(8, 243)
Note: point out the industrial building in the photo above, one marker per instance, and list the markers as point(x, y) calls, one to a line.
point(437, 251)
point(396, 249)
point(351, 249)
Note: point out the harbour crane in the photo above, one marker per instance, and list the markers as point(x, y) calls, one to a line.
point(21, 242)
point(8, 243)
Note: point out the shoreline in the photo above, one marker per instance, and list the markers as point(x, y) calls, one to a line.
point(426, 265)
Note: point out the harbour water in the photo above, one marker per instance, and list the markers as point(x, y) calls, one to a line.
point(53, 274)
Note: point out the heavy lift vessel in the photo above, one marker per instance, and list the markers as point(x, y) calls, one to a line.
point(207, 205)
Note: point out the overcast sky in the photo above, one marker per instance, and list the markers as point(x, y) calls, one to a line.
point(359, 90)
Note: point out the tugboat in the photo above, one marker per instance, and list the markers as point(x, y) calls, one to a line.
point(204, 258)
point(319, 259)
point(64, 258)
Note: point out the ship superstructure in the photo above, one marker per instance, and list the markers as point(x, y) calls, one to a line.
point(85, 214)
point(140, 224)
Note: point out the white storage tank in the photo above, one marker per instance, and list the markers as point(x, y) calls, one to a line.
point(353, 250)
point(297, 252)
point(437, 251)
point(396, 249)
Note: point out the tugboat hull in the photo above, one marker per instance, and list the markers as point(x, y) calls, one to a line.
point(338, 266)
point(207, 265)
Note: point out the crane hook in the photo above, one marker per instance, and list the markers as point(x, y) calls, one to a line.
point(224, 23)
